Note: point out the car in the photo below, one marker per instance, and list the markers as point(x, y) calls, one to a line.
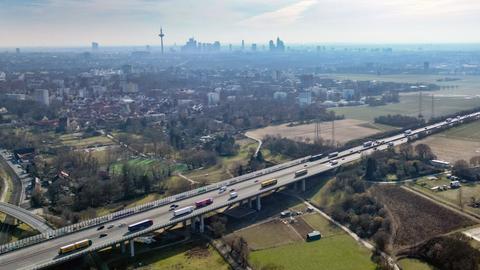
point(122, 225)
point(222, 189)
point(102, 235)
point(100, 228)
point(256, 181)
point(231, 190)
point(303, 166)
point(110, 226)
point(173, 207)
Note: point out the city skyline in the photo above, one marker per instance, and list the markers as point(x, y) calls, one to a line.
point(128, 22)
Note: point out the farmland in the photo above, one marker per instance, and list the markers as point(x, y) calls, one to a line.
point(446, 101)
point(467, 85)
point(334, 253)
point(462, 142)
point(283, 243)
point(416, 219)
point(408, 105)
point(345, 130)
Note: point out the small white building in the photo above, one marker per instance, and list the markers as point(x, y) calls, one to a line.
point(440, 163)
point(279, 95)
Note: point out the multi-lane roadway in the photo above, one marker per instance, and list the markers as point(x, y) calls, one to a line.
point(46, 253)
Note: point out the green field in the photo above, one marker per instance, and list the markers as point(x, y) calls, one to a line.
point(78, 142)
point(414, 264)
point(223, 170)
point(323, 225)
point(467, 85)
point(338, 252)
point(185, 257)
point(452, 196)
point(447, 101)
point(140, 164)
point(408, 105)
point(470, 131)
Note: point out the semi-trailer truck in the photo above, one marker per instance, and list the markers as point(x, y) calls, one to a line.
point(183, 211)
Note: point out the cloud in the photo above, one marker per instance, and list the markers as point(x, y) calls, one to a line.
point(125, 22)
point(282, 16)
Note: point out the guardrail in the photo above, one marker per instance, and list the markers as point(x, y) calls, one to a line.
point(141, 208)
point(145, 231)
point(138, 209)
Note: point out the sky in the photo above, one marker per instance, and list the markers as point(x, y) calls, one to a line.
point(59, 23)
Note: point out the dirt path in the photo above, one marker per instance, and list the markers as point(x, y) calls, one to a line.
point(362, 242)
point(188, 179)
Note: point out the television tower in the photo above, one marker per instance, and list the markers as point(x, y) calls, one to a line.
point(161, 35)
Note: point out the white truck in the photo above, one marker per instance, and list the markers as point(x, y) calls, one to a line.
point(183, 211)
point(233, 195)
point(367, 144)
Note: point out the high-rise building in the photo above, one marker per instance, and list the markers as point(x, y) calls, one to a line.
point(95, 46)
point(42, 96)
point(306, 81)
point(243, 44)
point(190, 46)
point(271, 45)
point(17, 50)
point(278, 47)
point(254, 47)
point(213, 98)
point(426, 65)
point(305, 98)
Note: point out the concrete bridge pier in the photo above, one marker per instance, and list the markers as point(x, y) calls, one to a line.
point(202, 224)
point(303, 185)
point(122, 247)
point(192, 224)
point(259, 203)
point(132, 248)
point(250, 200)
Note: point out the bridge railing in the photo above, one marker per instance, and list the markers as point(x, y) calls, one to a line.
point(137, 209)
point(130, 236)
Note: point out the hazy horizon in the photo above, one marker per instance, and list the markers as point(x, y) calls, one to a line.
point(73, 23)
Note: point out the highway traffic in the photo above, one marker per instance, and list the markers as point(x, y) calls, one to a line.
point(44, 253)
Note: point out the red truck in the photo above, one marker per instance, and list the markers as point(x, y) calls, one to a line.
point(204, 202)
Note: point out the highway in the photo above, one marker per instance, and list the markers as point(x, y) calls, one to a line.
point(25, 216)
point(45, 253)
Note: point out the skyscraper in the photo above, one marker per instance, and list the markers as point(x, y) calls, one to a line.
point(41, 96)
point(94, 46)
point(243, 44)
point(280, 45)
point(271, 46)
